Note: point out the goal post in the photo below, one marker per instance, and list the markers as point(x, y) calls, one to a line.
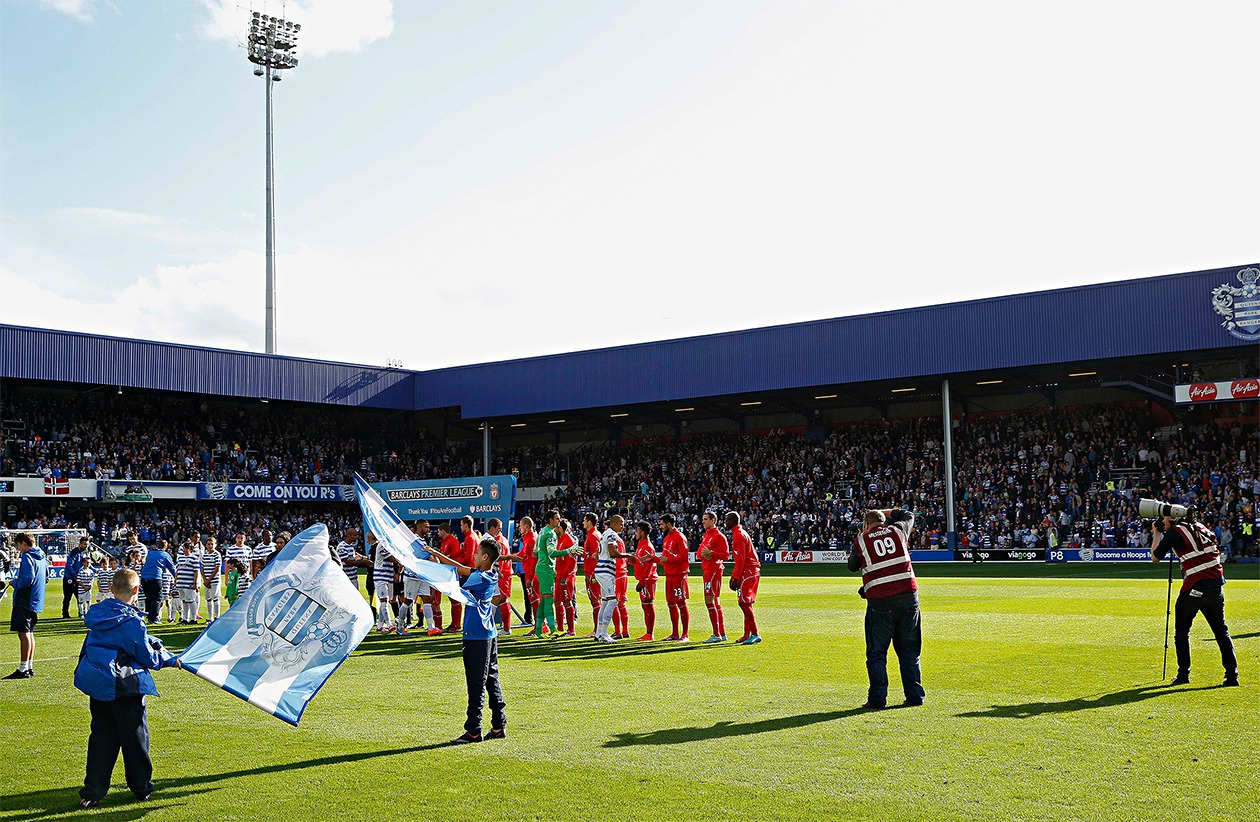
point(54, 543)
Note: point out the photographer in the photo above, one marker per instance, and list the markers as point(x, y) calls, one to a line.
point(1202, 580)
point(882, 553)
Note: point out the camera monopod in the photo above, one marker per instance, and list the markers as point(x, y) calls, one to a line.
point(1167, 616)
point(1154, 509)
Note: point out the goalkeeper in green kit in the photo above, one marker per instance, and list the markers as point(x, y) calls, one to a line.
point(547, 554)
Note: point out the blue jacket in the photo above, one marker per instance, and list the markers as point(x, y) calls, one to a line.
point(74, 564)
point(155, 562)
point(118, 654)
point(33, 574)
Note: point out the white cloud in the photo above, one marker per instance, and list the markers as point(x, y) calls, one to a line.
point(82, 10)
point(328, 26)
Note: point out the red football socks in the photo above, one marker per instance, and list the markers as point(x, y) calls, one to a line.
point(649, 617)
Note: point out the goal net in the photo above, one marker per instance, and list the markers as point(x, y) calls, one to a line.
point(54, 543)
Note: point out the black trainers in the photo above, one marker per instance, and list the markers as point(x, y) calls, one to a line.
point(20, 674)
point(912, 703)
point(1181, 679)
point(873, 706)
point(466, 738)
point(89, 803)
point(1230, 681)
point(501, 733)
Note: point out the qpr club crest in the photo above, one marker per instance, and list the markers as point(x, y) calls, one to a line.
point(1240, 305)
point(295, 624)
point(494, 490)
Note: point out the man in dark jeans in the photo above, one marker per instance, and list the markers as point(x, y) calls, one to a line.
point(69, 576)
point(1202, 583)
point(882, 553)
point(481, 644)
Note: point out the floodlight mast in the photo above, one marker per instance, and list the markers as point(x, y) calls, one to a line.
point(273, 48)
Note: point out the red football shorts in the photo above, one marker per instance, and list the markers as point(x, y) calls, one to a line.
point(566, 589)
point(623, 585)
point(713, 582)
point(592, 589)
point(748, 589)
point(676, 591)
point(531, 588)
point(647, 590)
point(505, 585)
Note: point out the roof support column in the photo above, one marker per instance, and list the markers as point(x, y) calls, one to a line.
point(485, 449)
point(947, 418)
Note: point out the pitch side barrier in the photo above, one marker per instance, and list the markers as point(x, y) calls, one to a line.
point(841, 556)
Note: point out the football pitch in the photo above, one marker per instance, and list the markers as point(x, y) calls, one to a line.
point(1043, 702)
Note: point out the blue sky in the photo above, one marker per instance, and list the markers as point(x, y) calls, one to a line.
point(461, 182)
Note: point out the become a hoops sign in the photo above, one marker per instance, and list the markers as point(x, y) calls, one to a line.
point(1222, 391)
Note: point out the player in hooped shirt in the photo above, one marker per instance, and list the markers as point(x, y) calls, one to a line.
point(745, 577)
point(676, 562)
point(645, 577)
point(713, 552)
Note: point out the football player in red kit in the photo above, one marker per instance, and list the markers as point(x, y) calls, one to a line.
point(566, 583)
point(452, 548)
point(745, 577)
point(621, 618)
point(645, 577)
point(494, 527)
point(590, 557)
point(677, 565)
point(713, 552)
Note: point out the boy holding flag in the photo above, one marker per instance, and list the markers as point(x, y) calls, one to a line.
point(113, 671)
point(481, 644)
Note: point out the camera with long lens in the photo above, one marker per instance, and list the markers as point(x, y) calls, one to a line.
point(1156, 510)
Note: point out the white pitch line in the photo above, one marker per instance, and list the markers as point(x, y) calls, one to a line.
point(42, 659)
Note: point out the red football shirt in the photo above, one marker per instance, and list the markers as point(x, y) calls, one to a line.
point(747, 563)
point(715, 542)
point(566, 566)
point(590, 552)
point(505, 565)
point(674, 551)
point(528, 560)
point(645, 561)
point(470, 547)
point(452, 547)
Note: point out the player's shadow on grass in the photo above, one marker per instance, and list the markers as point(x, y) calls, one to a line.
point(675, 736)
point(1125, 697)
point(545, 650)
point(1251, 635)
point(65, 800)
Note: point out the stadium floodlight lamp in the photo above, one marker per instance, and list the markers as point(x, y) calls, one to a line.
point(272, 48)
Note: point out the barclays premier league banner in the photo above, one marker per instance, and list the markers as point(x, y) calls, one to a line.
point(277, 646)
point(478, 497)
point(274, 492)
point(400, 543)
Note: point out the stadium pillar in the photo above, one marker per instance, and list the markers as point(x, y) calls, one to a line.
point(951, 531)
point(485, 449)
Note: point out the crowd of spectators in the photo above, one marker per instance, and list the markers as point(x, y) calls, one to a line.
point(138, 437)
point(1032, 479)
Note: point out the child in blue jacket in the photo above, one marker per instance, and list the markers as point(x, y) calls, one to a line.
point(113, 671)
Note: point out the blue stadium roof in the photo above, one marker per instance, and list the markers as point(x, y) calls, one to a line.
point(1156, 315)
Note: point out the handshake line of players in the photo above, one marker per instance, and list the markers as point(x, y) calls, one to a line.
point(549, 561)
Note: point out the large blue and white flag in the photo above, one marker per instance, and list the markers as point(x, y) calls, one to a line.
point(277, 646)
point(403, 545)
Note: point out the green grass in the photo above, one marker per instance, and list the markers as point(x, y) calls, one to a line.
point(1043, 703)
